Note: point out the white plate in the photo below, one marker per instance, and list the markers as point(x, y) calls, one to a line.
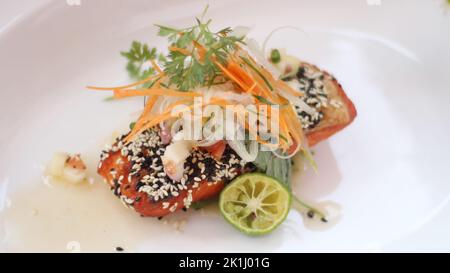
point(388, 171)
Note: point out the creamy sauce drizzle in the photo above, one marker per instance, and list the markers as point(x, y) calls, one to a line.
point(53, 215)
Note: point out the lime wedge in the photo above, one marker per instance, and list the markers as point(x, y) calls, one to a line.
point(255, 203)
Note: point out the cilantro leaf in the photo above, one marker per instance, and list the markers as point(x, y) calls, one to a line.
point(137, 56)
point(190, 71)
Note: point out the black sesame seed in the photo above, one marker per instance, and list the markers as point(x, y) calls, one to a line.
point(310, 214)
point(144, 154)
point(119, 249)
point(139, 185)
point(116, 187)
point(313, 92)
point(250, 167)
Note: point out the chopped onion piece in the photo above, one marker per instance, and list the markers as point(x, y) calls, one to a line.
point(288, 64)
point(239, 32)
point(174, 158)
point(210, 137)
point(56, 166)
point(297, 149)
point(297, 101)
point(256, 52)
point(73, 175)
point(241, 98)
point(165, 134)
point(67, 167)
point(240, 148)
point(174, 171)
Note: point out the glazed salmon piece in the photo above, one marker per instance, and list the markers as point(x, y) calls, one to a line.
point(135, 175)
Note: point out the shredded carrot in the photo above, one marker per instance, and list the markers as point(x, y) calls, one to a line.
point(252, 87)
point(145, 124)
point(284, 130)
point(179, 49)
point(156, 67)
point(261, 86)
point(201, 51)
point(124, 86)
point(240, 73)
point(294, 125)
point(231, 76)
point(250, 77)
point(169, 109)
point(124, 93)
point(147, 111)
point(150, 122)
point(149, 105)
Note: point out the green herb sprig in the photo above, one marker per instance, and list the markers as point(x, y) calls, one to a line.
point(188, 71)
point(185, 71)
point(137, 56)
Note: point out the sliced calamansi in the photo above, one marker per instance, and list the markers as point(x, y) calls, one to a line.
point(255, 203)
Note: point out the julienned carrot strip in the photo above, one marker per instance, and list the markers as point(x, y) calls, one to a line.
point(147, 111)
point(293, 124)
point(145, 126)
point(272, 97)
point(181, 50)
point(284, 130)
point(156, 67)
point(147, 123)
point(119, 94)
point(149, 105)
point(201, 51)
point(248, 79)
point(262, 86)
point(169, 109)
point(280, 83)
point(124, 93)
point(253, 87)
point(274, 82)
point(231, 76)
point(240, 73)
point(124, 86)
